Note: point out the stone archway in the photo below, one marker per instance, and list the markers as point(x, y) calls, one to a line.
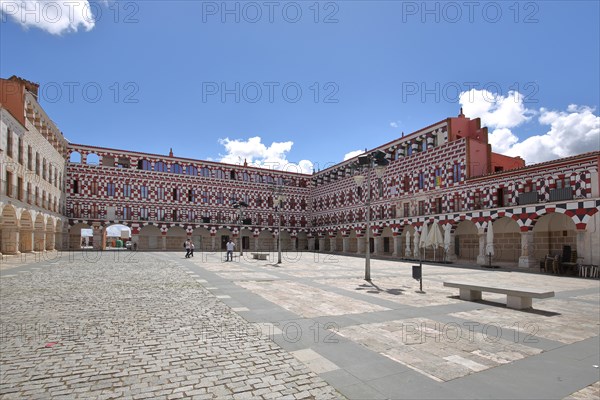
point(286, 240)
point(75, 240)
point(26, 232)
point(176, 237)
point(386, 241)
point(50, 235)
point(552, 234)
point(353, 243)
point(265, 241)
point(339, 241)
point(466, 241)
point(9, 225)
point(302, 241)
point(201, 239)
point(39, 234)
point(150, 238)
point(507, 240)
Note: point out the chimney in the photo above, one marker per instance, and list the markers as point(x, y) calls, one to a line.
point(171, 152)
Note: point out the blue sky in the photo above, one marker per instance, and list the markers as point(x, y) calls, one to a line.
point(151, 75)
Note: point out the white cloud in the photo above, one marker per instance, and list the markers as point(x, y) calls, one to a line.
point(571, 132)
point(256, 153)
point(353, 154)
point(495, 110)
point(53, 16)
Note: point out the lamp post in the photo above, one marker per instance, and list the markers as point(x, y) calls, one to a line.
point(240, 205)
point(278, 198)
point(366, 162)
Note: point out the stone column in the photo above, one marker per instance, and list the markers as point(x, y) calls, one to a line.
point(581, 246)
point(39, 243)
point(27, 241)
point(294, 243)
point(397, 246)
point(377, 245)
point(527, 259)
point(213, 240)
point(481, 257)
point(50, 240)
point(360, 244)
point(164, 241)
point(321, 244)
point(332, 244)
point(451, 254)
point(407, 251)
point(346, 244)
point(311, 244)
point(98, 232)
point(255, 243)
point(10, 240)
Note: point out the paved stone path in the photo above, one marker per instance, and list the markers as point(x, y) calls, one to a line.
point(158, 325)
point(135, 327)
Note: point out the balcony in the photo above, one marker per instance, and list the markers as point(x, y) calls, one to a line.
point(528, 198)
point(561, 194)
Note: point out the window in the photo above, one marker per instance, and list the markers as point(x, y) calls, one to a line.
point(160, 214)
point(176, 194)
point(160, 193)
point(245, 176)
point(438, 205)
point(75, 186)
point(220, 197)
point(191, 215)
point(144, 213)
point(20, 151)
point(94, 187)
point(37, 163)
point(110, 189)
point(421, 180)
point(456, 173)
point(409, 150)
point(30, 158)
point(175, 215)
point(126, 190)
point(145, 165)
point(424, 146)
point(422, 207)
point(144, 191)
point(204, 195)
point(126, 212)
point(160, 166)
point(176, 169)
point(9, 143)
point(191, 195)
point(477, 200)
point(406, 209)
point(406, 185)
point(438, 176)
point(205, 172)
point(219, 174)
point(457, 200)
point(191, 170)
point(94, 211)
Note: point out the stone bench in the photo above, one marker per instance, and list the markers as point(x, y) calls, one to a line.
point(516, 298)
point(260, 256)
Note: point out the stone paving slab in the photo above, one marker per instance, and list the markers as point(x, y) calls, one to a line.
point(146, 329)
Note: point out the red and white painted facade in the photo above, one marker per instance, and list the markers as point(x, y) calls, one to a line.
point(445, 173)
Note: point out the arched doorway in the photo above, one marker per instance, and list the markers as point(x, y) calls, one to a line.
point(117, 235)
point(201, 239)
point(77, 238)
point(554, 234)
point(466, 241)
point(302, 241)
point(222, 236)
point(39, 234)
point(286, 240)
point(387, 241)
point(353, 242)
point(339, 241)
point(507, 240)
point(50, 236)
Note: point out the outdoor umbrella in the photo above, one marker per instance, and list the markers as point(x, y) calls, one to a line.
point(435, 238)
point(489, 246)
point(447, 229)
point(424, 234)
point(416, 241)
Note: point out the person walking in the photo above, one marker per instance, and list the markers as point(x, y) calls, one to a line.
point(192, 249)
point(188, 248)
point(230, 248)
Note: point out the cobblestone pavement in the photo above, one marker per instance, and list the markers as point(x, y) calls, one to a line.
point(143, 326)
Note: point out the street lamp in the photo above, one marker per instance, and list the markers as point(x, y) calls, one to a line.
point(240, 205)
point(278, 197)
point(366, 163)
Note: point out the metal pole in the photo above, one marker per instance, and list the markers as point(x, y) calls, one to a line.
point(368, 244)
point(241, 238)
point(279, 231)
